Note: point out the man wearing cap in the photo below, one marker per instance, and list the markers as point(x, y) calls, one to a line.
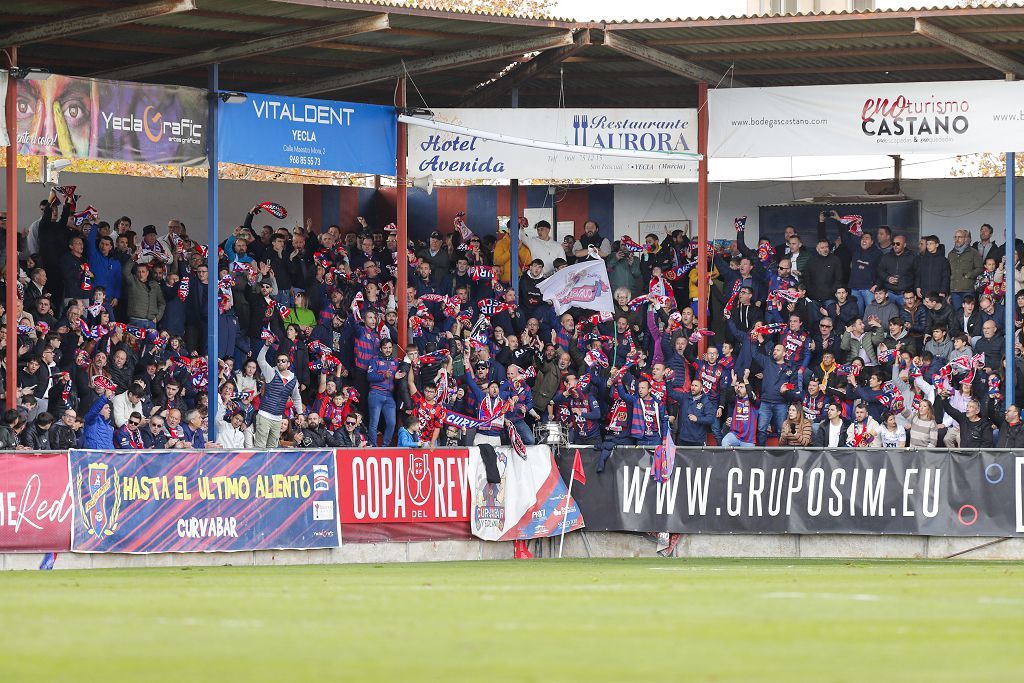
point(437, 256)
point(543, 247)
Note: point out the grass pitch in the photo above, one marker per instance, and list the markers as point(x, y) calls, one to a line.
point(571, 620)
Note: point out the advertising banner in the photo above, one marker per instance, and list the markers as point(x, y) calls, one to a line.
point(530, 501)
point(292, 132)
point(86, 118)
point(195, 501)
point(450, 155)
point(398, 485)
point(774, 491)
point(36, 508)
point(947, 117)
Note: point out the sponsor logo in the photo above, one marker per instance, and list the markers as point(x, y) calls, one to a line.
point(323, 510)
point(100, 495)
point(154, 127)
point(906, 117)
point(321, 478)
point(417, 479)
point(582, 287)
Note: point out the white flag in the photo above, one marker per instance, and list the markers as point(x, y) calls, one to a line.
point(584, 285)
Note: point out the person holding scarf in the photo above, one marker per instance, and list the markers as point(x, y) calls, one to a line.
point(129, 437)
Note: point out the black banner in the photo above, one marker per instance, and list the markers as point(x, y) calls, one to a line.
point(777, 491)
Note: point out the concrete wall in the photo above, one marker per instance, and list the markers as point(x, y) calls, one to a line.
point(947, 203)
point(578, 545)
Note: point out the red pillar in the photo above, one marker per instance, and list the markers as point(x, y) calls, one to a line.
point(403, 228)
point(702, 210)
point(10, 304)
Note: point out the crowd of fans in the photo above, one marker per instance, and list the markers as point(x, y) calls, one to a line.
point(862, 340)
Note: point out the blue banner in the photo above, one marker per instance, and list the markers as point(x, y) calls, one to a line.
point(195, 501)
point(292, 132)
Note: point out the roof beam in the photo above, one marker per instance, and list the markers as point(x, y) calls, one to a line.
point(452, 60)
point(61, 28)
point(251, 48)
point(663, 60)
point(524, 72)
point(968, 48)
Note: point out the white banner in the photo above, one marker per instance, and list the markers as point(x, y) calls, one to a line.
point(446, 155)
point(530, 501)
point(583, 285)
point(951, 117)
point(4, 140)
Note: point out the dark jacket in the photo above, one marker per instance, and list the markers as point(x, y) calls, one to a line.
point(821, 438)
point(37, 439)
point(822, 276)
point(904, 267)
point(932, 273)
point(62, 437)
point(1011, 436)
point(977, 434)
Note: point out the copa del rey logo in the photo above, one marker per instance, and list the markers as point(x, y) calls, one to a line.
point(582, 287)
point(904, 116)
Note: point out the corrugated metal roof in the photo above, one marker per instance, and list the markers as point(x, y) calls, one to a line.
point(807, 49)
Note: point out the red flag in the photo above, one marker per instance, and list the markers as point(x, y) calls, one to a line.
point(577, 468)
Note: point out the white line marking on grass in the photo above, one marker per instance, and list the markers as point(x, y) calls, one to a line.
point(857, 597)
point(986, 600)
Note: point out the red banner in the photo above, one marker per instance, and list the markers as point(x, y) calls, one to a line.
point(35, 502)
point(399, 485)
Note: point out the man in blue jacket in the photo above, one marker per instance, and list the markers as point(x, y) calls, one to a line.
point(696, 415)
point(106, 269)
point(779, 378)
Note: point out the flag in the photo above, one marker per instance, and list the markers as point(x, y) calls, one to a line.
point(274, 209)
point(628, 244)
point(740, 223)
point(48, 561)
point(577, 469)
point(583, 285)
point(516, 440)
point(664, 460)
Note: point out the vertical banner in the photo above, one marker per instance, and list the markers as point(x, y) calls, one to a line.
point(87, 118)
point(36, 506)
point(292, 132)
point(530, 501)
point(195, 501)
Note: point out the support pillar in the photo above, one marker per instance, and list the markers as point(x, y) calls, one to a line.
point(1009, 306)
point(702, 211)
point(513, 218)
point(11, 385)
point(403, 226)
point(212, 259)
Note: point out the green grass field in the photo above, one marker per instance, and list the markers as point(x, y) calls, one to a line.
point(586, 620)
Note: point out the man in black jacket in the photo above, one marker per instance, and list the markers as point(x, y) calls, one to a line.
point(897, 270)
point(36, 436)
point(64, 434)
point(822, 275)
point(832, 431)
point(1011, 429)
point(975, 428)
point(933, 269)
